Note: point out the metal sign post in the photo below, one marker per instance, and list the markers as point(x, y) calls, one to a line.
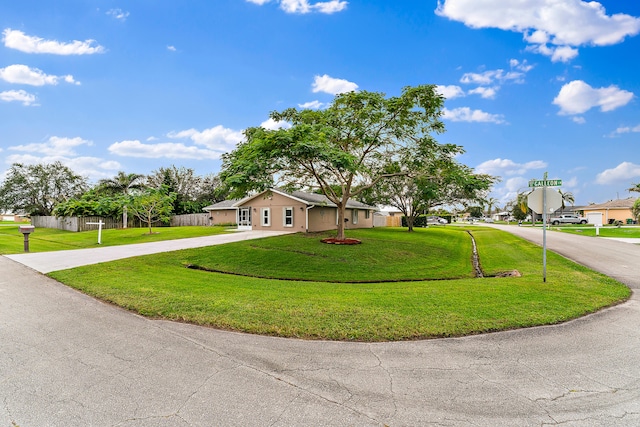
point(544, 201)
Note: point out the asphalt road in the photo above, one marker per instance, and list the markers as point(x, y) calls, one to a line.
point(69, 360)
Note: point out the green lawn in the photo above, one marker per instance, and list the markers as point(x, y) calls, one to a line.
point(608, 231)
point(48, 239)
point(160, 286)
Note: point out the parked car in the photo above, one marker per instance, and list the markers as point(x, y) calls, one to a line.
point(436, 220)
point(568, 219)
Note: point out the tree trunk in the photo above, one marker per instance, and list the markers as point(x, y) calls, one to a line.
point(149, 219)
point(410, 220)
point(341, 222)
point(125, 219)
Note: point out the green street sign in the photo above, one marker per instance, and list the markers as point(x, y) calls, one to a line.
point(545, 183)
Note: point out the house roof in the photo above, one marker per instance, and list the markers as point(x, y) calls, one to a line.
point(223, 205)
point(613, 204)
point(309, 199)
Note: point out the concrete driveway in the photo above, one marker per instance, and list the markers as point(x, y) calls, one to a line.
point(69, 360)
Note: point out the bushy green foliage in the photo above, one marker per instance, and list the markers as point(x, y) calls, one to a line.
point(92, 204)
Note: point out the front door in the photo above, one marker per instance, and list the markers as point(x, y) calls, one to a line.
point(244, 219)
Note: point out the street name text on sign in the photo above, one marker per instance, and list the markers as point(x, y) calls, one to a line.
point(545, 183)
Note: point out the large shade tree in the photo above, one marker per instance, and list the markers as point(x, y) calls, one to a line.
point(435, 179)
point(37, 189)
point(342, 150)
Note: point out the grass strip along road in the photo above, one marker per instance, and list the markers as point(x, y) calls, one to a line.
point(450, 303)
point(48, 239)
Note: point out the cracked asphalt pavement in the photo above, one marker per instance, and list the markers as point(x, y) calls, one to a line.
point(69, 360)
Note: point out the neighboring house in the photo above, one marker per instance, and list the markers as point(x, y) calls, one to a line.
point(501, 216)
point(613, 210)
point(280, 211)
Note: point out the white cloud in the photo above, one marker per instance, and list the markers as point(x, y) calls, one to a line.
point(271, 124)
point(55, 146)
point(577, 97)
point(217, 138)
point(502, 167)
point(465, 114)
point(330, 7)
point(22, 74)
point(562, 24)
point(19, 96)
point(450, 91)
point(522, 66)
point(303, 6)
point(18, 40)
point(485, 92)
point(579, 120)
point(168, 150)
point(171, 48)
point(625, 171)
point(92, 167)
point(490, 76)
point(332, 85)
point(118, 14)
point(313, 105)
point(625, 129)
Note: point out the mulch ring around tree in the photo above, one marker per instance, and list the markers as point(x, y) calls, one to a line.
point(335, 241)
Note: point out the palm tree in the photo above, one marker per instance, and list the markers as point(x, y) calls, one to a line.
point(122, 183)
point(566, 197)
point(491, 202)
point(634, 187)
point(635, 210)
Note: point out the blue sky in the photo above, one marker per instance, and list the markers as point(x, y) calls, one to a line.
point(532, 86)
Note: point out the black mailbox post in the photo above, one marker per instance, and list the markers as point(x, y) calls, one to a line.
point(26, 230)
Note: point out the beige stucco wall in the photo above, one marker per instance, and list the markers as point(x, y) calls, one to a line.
point(276, 204)
point(607, 214)
point(226, 216)
point(363, 221)
point(325, 218)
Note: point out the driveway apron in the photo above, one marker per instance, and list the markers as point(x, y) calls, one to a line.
point(69, 360)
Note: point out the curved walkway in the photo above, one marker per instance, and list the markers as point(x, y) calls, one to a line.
point(46, 262)
point(69, 360)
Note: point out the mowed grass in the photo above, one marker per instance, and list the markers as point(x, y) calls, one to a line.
point(609, 231)
point(387, 255)
point(48, 239)
point(160, 286)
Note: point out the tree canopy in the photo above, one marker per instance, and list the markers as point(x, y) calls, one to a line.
point(436, 179)
point(342, 150)
point(37, 189)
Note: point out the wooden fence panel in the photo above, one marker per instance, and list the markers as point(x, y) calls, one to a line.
point(200, 219)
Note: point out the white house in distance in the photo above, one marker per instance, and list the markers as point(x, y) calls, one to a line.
point(281, 211)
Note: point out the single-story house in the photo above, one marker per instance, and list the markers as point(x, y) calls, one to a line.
point(297, 211)
point(613, 210)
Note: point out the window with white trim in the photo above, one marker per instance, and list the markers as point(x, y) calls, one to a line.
point(265, 217)
point(367, 214)
point(287, 217)
point(354, 216)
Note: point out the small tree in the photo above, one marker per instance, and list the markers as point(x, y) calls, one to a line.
point(153, 205)
point(436, 179)
point(122, 184)
point(635, 210)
